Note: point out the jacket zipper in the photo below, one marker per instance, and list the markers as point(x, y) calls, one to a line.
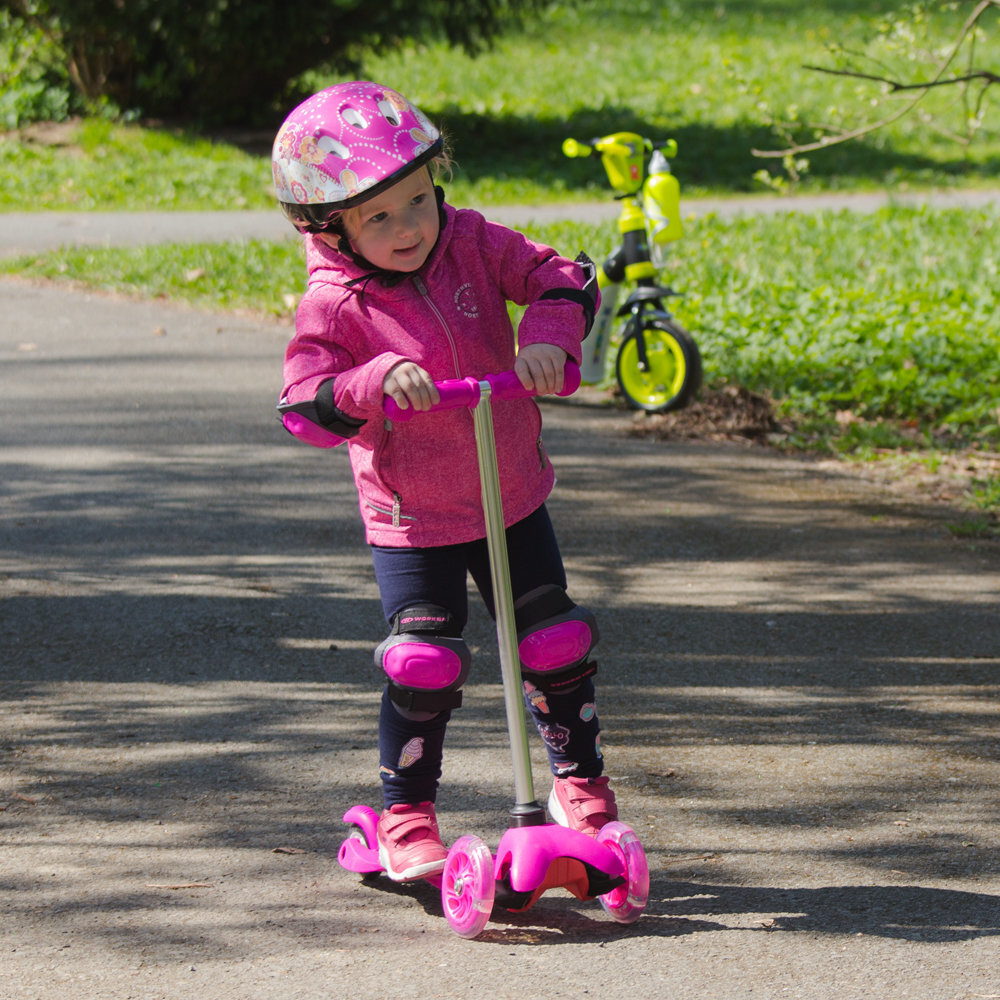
point(397, 500)
point(422, 289)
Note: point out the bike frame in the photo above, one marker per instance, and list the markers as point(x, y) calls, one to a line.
point(630, 263)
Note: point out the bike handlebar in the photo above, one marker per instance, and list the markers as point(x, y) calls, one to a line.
point(458, 392)
point(573, 148)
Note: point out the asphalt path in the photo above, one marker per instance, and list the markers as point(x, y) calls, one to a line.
point(797, 686)
point(30, 232)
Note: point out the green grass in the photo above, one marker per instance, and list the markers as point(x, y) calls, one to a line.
point(98, 165)
point(871, 332)
point(888, 318)
point(254, 276)
point(718, 76)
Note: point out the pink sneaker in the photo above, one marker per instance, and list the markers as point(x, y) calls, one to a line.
point(583, 804)
point(409, 845)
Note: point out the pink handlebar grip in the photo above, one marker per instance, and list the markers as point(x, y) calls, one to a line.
point(459, 392)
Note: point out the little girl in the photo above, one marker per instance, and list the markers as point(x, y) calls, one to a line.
point(403, 290)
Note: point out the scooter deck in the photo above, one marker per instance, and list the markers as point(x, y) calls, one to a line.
point(528, 862)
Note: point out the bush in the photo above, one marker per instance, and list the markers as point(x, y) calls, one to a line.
point(34, 85)
point(232, 61)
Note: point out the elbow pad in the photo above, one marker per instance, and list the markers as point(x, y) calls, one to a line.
point(587, 297)
point(318, 422)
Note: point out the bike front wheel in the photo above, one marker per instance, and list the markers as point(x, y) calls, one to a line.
point(658, 366)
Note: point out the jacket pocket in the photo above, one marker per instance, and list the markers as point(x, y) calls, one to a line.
point(384, 514)
point(387, 507)
point(543, 455)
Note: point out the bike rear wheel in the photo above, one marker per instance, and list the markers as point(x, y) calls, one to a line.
point(672, 373)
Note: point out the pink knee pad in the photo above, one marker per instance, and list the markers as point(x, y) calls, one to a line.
point(422, 664)
point(556, 646)
point(426, 669)
point(555, 637)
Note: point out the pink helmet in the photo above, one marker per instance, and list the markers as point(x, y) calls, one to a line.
point(344, 145)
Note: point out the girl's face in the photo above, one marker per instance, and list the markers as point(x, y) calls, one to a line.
point(397, 229)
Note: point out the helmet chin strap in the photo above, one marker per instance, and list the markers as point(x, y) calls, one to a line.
point(387, 277)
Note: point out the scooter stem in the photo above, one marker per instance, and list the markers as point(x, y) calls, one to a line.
point(526, 811)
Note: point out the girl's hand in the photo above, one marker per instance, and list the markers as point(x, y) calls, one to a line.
point(409, 385)
point(540, 367)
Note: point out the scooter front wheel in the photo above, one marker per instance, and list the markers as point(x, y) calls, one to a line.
point(467, 886)
point(626, 903)
point(658, 366)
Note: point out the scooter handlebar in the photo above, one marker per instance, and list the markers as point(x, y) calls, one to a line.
point(458, 392)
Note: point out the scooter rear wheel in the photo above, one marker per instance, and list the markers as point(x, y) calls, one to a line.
point(626, 903)
point(467, 886)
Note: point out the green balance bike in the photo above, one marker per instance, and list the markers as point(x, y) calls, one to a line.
point(657, 363)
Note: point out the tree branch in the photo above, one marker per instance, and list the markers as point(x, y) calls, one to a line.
point(897, 85)
point(923, 89)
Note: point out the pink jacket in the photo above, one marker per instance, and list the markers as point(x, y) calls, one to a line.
point(418, 481)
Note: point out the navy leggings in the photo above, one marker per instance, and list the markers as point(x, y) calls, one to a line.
point(410, 751)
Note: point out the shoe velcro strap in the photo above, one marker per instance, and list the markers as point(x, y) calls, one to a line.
point(593, 800)
point(408, 824)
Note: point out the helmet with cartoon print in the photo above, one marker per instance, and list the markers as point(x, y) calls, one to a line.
point(344, 145)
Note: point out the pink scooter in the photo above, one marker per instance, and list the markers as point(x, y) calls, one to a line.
point(533, 855)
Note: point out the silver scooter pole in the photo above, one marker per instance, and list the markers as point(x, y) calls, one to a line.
point(526, 810)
